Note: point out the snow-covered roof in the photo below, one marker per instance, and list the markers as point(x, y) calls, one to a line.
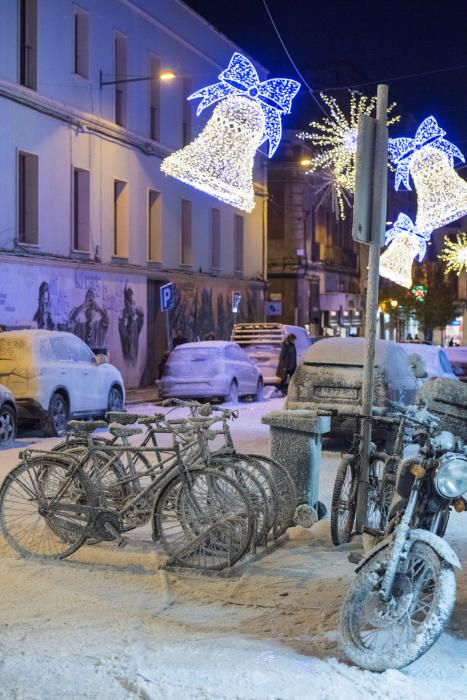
point(31, 333)
point(203, 344)
point(346, 351)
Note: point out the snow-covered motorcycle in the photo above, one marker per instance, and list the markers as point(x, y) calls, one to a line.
point(405, 590)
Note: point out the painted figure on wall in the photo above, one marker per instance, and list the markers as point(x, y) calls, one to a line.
point(130, 325)
point(43, 316)
point(90, 322)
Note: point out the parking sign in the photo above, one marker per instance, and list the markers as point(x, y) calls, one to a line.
point(167, 296)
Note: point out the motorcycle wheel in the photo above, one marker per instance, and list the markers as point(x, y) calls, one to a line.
point(379, 635)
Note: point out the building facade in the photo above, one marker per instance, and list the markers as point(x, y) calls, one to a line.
point(313, 263)
point(90, 227)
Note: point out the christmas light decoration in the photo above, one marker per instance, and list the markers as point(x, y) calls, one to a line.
point(454, 254)
point(336, 135)
point(418, 292)
point(220, 160)
point(429, 159)
point(404, 242)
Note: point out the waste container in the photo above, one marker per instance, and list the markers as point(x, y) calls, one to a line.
point(296, 441)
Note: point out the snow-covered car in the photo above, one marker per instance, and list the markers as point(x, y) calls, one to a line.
point(55, 376)
point(330, 375)
point(457, 356)
point(434, 359)
point(262, 343)
point(7, 417)
point(210, 369)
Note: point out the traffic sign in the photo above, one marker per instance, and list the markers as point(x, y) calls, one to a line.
point(236, 299)
point(273, 308)
point(167, 296)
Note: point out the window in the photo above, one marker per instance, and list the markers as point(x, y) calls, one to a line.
point(120, 74)
point(238, 243)
point(60, 349)
point(154, 225)
point(120, 219)
point(28, 43)
point(187, 254)
point(216, 239)
point(28, 198)
point(78, 350)
point(81, 57)
point(186, 115)
point(81, 206)
point(154, 99)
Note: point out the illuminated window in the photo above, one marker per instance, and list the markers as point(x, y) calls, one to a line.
point(81, 209)
point(28, 198)
point(120, 219)
point(154, 225)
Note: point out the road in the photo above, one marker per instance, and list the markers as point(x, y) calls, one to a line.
point(111, 623)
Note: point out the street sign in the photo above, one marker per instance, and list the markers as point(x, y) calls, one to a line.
point(272, 308)
point(236, 299)
point(167, 296)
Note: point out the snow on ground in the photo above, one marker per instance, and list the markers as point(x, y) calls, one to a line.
point(108, 623)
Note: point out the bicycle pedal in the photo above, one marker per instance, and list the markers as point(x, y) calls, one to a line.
point(122, 542)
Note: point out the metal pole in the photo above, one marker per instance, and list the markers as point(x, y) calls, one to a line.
point(167, 330)
point(378, 218)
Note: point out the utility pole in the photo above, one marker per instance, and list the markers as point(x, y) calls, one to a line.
point(376, 239)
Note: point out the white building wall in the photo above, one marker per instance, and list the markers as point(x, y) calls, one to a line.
point(183, 42)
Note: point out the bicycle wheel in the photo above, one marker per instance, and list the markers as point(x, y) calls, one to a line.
point(286, 493)
point(46, 507)
point(204, 520)
point(344, 499)
point(378, 507)
point(250, 477)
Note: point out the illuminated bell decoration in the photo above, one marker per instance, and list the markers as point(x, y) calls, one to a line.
point(220, 160)
point(441, 192)
point(405, 243)
point(429, 159)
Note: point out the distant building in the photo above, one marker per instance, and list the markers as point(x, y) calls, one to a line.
point(90, 226)
point(313, 263)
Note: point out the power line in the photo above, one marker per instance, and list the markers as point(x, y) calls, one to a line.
point(310, 89)
point(400, 77)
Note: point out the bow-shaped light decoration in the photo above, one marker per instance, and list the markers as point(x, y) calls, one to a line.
point(404, 225)
point(240, 78)
point(402, 150)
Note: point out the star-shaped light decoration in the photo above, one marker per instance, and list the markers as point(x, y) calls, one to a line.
point(336, 136)
point(454, 254)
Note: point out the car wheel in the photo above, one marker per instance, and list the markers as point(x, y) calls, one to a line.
point(232, 396)
point(7, 426)
point(115, 401)
point(259, 390)
point(55, 423)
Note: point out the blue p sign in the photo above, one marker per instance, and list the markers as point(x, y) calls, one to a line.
point(167, 296)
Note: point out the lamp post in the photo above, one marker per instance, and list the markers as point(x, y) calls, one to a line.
point(394, 304)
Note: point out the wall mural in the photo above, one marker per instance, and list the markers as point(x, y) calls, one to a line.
point(105, 310)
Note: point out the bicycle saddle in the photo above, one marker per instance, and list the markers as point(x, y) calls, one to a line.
point(86, 426)
point(119, 430)
point(149, 420)
point(121, 417)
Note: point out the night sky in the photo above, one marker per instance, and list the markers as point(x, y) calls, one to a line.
point(356, 41)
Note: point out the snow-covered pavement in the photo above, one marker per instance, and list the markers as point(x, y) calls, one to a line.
point(108, 623)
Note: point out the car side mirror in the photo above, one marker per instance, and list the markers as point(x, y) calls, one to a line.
point(101, 359)
point(418, 366)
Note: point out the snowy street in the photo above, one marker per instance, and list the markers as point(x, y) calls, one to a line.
point(108, 623)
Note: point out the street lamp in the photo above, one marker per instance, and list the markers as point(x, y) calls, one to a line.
point(165, 76)
point(394, 304)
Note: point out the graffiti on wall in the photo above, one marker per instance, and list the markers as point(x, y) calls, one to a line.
point(104, 310)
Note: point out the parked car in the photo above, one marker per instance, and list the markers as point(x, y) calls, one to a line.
point(330, 375)
point(213, 368)
point(458, 359)
point(262, 343)
point(8, 415)
point(434, 358)
point(55, 376)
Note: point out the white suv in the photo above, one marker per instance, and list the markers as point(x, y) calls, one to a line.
point(54, 376)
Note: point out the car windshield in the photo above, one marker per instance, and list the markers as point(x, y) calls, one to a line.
point(11, 348)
